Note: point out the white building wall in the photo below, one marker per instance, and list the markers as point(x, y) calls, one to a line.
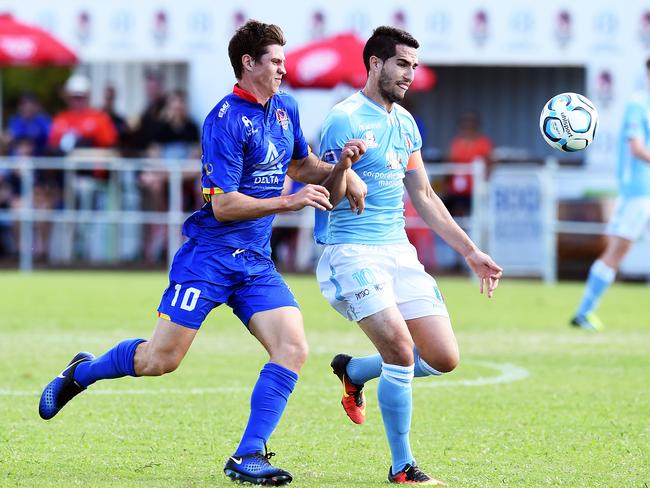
point(601, 36)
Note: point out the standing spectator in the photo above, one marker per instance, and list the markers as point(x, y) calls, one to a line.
point(156, 101)
point(174, 136)
point(468, 145)
point(81, 126)
point(119, 122)
point(30, 122)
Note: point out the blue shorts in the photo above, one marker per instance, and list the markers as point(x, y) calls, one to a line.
point(203, 277)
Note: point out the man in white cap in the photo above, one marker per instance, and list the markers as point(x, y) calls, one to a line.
point(80, 125)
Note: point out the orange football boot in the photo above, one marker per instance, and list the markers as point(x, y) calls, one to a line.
point(354, 400)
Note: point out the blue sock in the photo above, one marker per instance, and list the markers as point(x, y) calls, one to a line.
point(600, 278)
point(114, 363)
point(421, 368)
point(362, 369)
point(396, 405)
point(268, 400)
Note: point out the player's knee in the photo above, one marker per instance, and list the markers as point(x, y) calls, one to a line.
point(160, 364)
point(445, 362)
point(398, 352)
point(449, 362)
point(296, 353)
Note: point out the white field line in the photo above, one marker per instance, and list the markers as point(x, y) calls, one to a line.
point(506, 373)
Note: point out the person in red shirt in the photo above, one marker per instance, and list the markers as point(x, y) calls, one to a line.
point(467, 146)
point(80, 125)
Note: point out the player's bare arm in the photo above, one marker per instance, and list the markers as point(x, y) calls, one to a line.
point(437, 217)
point(339, 180)
point(639, 150)
point(237, 206)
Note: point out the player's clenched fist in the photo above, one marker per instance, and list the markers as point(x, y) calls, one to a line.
point(351, 152)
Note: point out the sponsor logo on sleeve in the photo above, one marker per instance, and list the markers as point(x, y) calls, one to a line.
point(224, 108)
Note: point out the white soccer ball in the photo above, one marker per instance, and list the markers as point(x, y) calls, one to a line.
point(568, 122)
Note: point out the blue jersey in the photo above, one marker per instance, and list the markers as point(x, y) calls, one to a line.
point(634, 173)
point(247, 148)
point(390, 137)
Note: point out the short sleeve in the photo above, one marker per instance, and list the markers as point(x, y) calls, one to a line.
point(336, 131)
point(300, 146)
point(634, 121)
point(223, 158)
point(416, 136)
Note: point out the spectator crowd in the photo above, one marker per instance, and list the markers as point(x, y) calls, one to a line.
point(164, 130)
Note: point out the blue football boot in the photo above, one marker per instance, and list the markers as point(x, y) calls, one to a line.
point(62, 388)
point(256, 469)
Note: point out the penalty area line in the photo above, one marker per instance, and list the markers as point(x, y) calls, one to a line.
point(506, 373)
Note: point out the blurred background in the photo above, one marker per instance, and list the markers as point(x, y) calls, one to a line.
point(101, 105)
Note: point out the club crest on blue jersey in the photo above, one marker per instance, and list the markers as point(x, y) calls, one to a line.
point(283, 118)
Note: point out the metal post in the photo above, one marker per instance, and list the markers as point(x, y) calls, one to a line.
point(550, 217)
point(175, 215)
point(25, 216)
point(477, 215)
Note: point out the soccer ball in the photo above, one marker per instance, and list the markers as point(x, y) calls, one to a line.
point(568, 122)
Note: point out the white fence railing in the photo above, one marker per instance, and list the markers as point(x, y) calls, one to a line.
point(90, 207)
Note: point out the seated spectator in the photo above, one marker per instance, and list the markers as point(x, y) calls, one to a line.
point(80, 125)
point(29, 122)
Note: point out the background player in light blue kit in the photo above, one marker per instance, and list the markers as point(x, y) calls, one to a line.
point(251, 140)
point(632, 211)
point(369, 272)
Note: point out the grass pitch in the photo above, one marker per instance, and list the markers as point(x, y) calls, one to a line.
point(533, 403)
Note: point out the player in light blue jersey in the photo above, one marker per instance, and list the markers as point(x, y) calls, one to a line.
point(369, 272)
point(632, 212)
point(251, 140)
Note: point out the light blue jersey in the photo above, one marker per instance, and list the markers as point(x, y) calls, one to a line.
point(390, 138)
point(633, 173)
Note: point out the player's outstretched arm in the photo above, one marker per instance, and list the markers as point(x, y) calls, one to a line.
point(237, 206)
point(437, 217)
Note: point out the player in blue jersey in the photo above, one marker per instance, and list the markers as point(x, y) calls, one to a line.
point(632, 212)
point(251, 140)
point(369, 272)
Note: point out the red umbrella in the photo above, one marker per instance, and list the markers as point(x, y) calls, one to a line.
point(334, 60)
point(26, 45)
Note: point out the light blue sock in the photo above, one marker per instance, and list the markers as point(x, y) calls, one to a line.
point(362, 369)
point(396, 405)
point(600, 278)
point(268, 401)
point(114, 363)
point(365, 368)
point(421, 368)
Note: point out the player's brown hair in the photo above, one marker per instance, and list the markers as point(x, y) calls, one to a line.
point(252, 38)
point(382, 43)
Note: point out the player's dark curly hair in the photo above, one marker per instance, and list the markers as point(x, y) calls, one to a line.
point(382, 43)
point(252, 38)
